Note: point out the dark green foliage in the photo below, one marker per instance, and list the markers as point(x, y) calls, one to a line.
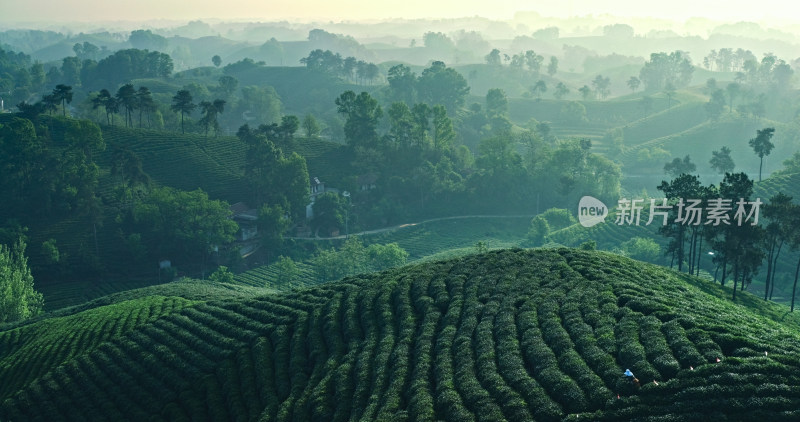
point(506, 335)
point(18, 299)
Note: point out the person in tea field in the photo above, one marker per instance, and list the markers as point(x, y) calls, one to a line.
point(633, 380)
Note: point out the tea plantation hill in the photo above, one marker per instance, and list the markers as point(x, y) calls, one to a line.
point(513, 334)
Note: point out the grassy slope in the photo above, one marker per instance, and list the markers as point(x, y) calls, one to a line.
point(513, 334)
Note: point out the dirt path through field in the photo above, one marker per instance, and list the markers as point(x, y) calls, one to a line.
point(402, 226)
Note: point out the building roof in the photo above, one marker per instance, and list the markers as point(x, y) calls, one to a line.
point(241, 211)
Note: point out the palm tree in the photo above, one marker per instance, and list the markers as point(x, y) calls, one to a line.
point(182, 102)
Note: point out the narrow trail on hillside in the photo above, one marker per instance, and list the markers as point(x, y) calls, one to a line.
point(406, 225)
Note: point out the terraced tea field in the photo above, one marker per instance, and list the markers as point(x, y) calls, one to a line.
point(508, 335)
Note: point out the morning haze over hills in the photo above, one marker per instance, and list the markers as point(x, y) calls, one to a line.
point(376, 216)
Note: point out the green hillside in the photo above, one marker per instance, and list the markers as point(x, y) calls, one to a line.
point(506, 335)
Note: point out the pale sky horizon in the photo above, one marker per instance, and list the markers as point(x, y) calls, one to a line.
point(80, 11)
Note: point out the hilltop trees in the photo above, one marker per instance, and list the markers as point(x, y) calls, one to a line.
point(18, 299)
point(125, 65)
point(663, 69)
point(349, 68)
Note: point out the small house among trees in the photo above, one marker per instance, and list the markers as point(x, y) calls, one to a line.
point(366, 182)
point(247, 219)
point(317, 188)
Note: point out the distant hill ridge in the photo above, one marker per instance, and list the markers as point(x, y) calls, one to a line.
point(506, 335)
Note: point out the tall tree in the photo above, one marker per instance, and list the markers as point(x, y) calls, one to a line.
point(402, 82)
point(443, 133)
point(715, 105)
point(362, 113)
point(778, 213)
point(443, 85)
point(762, 146)
point(108, 102)
point(794, 239)
point(493, 58)
point(585, 91)
point(677, 166)
point(683, 187)
point(602, 86)
point(633, 83)
point(736, 238)
point(182, 103)
point(18, 299)
point(126, 97)
point(538, 89)
point(561, 91)
point(733, 90)
point(144, 103)
point(50, 103)
point(63, 94)
point(310, 126)
point(552, 68)
point(210, 111)
point(721, 161)
point(216, 60)
point(496, 103)
point(182, 225)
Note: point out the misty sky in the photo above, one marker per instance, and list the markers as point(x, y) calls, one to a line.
point(17, 11)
